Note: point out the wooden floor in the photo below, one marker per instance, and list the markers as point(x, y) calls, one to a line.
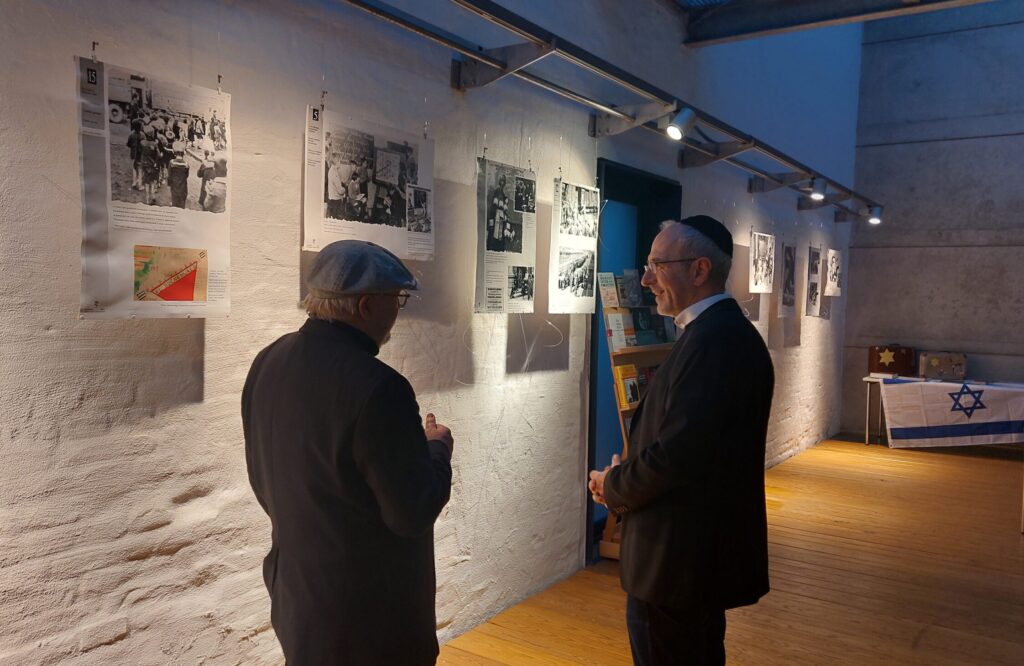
point(878, 556)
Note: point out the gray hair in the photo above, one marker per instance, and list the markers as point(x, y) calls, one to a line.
point(699, 245)
point(331, 309)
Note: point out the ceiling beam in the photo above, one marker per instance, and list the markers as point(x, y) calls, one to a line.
point(745, 19)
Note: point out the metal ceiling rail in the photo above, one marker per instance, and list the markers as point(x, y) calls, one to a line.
point(510, 61)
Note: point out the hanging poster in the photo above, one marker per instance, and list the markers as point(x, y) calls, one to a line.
point(506, 237)
point(834, 273)
point(156, 195)
point(813, 308)
point(573, 248)
point(369, 182)
point(762, 263)
point(787, 297)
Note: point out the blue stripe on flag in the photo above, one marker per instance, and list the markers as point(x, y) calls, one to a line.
point(960, 430)
point(892, 380)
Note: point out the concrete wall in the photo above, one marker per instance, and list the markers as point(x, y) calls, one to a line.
point(940, 140)
point(129, 531)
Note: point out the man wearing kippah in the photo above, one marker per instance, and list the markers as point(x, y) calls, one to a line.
point(691, 492)
point(350, 477)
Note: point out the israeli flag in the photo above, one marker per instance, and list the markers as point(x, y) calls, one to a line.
point(952, 414)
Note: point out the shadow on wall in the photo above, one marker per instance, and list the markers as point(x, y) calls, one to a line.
point(132, 370)
point(537, 342)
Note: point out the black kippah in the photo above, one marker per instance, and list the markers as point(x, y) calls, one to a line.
point(713, 229)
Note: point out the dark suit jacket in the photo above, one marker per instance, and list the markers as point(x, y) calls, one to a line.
point(691, 493)
point(338, 459)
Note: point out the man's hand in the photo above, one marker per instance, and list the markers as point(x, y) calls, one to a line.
point(596, 484)
point(436, 431)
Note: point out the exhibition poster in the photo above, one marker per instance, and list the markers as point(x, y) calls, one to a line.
point(506, 237)
point(762, 263)
point(813, 308)
point(156, 195)
point(367, 182)
point(787, 296)
point(573, 257)
point(834, 273)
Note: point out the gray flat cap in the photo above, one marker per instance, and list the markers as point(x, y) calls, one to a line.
point(357, 267)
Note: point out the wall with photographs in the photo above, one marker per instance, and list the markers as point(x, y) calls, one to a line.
point(130, 533)
point(940, 140)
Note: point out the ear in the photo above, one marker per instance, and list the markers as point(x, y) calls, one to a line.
point(702, 271)
point(365, 306)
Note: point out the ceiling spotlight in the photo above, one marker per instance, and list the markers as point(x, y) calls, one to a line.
point(818, 187)
point(681, 123)
point(875, 215)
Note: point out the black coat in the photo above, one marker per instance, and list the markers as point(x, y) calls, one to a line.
point(691, 493)
point(338, 459)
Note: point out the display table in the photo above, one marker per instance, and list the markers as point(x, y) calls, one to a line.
point(870, 381)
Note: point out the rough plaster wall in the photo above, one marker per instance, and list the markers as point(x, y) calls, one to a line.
point(940, 139)
point(129, 531)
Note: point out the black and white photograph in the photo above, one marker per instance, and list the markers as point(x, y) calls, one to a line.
point(360, 178)
point(504, 225)
point(813, 305)
point(632, 389)
point(576, 272)
point(580, 208)
point(787, 299)
point(526, 195)
point(418, 216)
point(520, 283)
point(762, 263)
point(168, 143)
point(363, 181)
point(833, 273)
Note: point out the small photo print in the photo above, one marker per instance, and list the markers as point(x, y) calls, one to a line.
point(576, 272)
point(418, 216)
point(168, 143)
point(170, 273)
point(632, 388)
point(520, 283)
point(526, 195)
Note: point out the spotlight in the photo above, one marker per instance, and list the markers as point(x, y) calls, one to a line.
point(818, 187)
point(680, 124)
point(875, 215)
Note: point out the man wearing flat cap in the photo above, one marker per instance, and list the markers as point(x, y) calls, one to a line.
point(691, 492)
point(350, 477)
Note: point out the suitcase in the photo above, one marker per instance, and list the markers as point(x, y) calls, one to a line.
point(943, 365)
point(892, 360)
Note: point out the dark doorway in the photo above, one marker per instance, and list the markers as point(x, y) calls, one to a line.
point(633, 204)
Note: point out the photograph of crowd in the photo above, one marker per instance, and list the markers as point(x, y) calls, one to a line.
point(418, 215)
point(576, 272)
point(168, 143)
point(365, 179)
point(762, 263)
point(504, 225)
point(580, 210)
point(526, 195)
point(520, 283)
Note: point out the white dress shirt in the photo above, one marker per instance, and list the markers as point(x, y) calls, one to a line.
point(695, 310)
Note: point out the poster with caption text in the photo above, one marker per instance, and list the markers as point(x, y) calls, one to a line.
point(368, 182)
point(506, 237)
point(156, 176)
point(573, 258)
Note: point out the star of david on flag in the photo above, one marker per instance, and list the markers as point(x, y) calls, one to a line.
point(920, 413)
point(965, 391)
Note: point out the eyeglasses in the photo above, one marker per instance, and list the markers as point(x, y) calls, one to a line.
point(653, 266)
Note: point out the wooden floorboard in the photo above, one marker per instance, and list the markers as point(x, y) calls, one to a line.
point(877, 556)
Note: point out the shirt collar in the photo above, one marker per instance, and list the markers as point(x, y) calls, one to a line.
point(686, 317)
point(337, 329)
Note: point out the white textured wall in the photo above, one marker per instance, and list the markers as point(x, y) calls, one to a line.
point(129, 532)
